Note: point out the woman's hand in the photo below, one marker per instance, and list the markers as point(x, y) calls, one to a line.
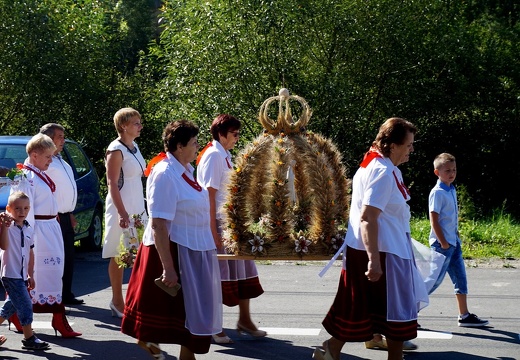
point(216, 238)
point(374, 271)
point(369, 234)
point(124, 220)
point(169, 277)
point(162, 244)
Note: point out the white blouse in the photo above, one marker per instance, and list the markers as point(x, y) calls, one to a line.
point(171, 197)
point(213, 171)
point(376, 185)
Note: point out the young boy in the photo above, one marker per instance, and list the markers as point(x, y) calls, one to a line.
point(444, 236)
point(17, 257)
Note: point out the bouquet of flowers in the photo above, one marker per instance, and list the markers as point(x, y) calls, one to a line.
point(130, 241)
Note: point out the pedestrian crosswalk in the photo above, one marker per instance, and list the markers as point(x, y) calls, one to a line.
point(421, 334)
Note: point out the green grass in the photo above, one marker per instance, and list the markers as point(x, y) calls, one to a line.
point(494, 237)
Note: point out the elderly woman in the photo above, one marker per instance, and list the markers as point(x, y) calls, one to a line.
point(125, 166)
point(48, 249)
point(178, 248)
point(380, 289)
point(240, 281)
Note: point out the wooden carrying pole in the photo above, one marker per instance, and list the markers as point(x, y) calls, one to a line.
point(284, 258)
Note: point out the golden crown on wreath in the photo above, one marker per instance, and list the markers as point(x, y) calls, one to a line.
point(284, 123)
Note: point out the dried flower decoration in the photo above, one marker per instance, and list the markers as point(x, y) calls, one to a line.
point(301, 243)
point(257, 244)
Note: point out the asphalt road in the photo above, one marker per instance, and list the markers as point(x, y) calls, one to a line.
point(291, 310)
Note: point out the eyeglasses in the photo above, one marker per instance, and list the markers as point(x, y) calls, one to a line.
point(235, 133)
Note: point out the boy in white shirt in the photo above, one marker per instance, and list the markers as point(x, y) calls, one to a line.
point(17, 266)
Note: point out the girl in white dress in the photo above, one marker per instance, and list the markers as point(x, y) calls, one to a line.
point(124, 165)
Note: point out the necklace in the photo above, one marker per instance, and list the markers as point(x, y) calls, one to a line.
point(46, 179)
point(193, 184)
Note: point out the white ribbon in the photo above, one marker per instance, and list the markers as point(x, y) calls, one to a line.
point(334, 258)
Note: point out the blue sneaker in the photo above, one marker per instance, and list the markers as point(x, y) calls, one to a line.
point(472, 320)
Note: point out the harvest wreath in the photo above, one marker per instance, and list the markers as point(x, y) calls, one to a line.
point(288, 194)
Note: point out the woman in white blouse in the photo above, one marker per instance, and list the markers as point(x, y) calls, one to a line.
point(178, 248)
point(240, 281)
point(380, 290)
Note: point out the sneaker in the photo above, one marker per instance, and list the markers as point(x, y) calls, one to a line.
point(33, 343)
point(472, 320)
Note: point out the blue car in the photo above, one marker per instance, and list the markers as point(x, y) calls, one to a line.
point(89, 207)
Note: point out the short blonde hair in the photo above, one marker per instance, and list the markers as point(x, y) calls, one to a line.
point(17, 195)
point(122, 116)
point(40, 143)
point(442, 159)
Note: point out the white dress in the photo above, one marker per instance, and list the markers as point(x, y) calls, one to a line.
point(48, 240)
point(131, 194)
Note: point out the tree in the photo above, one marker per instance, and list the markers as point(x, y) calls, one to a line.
point(357, 63)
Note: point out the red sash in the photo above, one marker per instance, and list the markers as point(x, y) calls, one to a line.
point(373, 154)
point(46, 179)
point(210, 144)
point(161, 156)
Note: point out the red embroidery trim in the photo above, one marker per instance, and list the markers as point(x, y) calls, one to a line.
point(46, 179)
point(193, 184)
point(228, 164)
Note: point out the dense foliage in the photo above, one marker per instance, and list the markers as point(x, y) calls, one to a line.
point(451, 67)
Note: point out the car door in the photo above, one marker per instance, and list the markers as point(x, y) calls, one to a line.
point(87, 182)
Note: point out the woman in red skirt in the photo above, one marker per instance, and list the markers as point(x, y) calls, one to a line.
point(240, 281)
point(380, 289)
point(178, 248)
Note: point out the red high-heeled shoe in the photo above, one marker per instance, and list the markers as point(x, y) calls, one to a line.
point(60, 323)
point(16, 322)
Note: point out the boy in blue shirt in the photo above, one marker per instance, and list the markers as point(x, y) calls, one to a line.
point(17, 266)
point(444, 236)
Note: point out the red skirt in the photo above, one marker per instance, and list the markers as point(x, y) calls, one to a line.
point(235, 290)
point(151, 315)
point(360, 307)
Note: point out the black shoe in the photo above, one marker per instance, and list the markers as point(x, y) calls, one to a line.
point(73, 301)
point(472, 320)
point(33, 343)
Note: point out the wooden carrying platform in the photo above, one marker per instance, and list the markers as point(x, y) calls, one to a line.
point(284, 258)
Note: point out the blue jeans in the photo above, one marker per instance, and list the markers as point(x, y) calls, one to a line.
point(454, 266)
point(17, 301)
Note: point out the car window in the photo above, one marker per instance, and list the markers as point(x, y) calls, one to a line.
point(10, 154)
point(79, 160)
